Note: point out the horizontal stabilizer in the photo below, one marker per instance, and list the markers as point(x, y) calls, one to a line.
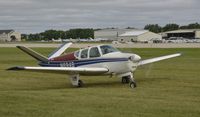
point(59, 51)
point(143, 62)
point(33, 53)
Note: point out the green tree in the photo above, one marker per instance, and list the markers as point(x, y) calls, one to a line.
point(170, 27)
point(153, 28)
point(130, 27)
point(52, 34)
point(80, 33)
point(191, 26)
point(34, 37)
point(24, 36)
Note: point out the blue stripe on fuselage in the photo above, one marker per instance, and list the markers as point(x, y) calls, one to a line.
point(78, 63)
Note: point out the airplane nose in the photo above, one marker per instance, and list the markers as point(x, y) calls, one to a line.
point(135, 58)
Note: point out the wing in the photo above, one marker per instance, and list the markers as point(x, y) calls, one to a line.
point(143, 62)
point(67, 70)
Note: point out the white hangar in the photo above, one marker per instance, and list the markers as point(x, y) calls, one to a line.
point(9, 35)
point(110, 34)
point(139, 36)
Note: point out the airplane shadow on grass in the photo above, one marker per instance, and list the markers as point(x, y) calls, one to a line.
point(67, 85)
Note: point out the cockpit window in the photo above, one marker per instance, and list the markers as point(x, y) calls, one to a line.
point(105, 49)
point(84, 53)
point(94, 52)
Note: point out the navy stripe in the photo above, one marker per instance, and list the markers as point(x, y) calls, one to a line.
point(83, 62)
point(87, 60)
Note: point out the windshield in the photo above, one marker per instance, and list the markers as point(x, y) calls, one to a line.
point(94, 52)
point(105, 49)
point(76, 54)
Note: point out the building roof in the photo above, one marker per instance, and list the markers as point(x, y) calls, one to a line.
point(115, 29)
point(183, 31)
point(134, 33)
point(5, 31)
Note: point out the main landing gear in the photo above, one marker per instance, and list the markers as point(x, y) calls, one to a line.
point(128, 78)
point(125, 79)
point(75, 80)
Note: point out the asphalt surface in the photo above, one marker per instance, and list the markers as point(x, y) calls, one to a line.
point(138, 45)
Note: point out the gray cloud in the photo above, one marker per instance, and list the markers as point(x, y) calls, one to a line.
point(38, 15)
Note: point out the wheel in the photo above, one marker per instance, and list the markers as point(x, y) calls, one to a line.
point(125, 80)
point(80, 83)
point(133, 84)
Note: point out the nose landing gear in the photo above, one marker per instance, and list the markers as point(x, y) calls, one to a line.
point(128, 78)
point(133, 84)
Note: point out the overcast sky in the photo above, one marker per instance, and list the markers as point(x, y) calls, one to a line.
point(31, 16)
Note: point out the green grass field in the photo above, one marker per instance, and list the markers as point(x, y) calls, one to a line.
point(169, 88)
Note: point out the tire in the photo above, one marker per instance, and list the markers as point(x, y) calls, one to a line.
point(133, 85)
point(125, 80)
point(80, 83)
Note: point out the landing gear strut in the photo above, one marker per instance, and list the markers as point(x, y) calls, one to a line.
point(132, 81)
point(75, 80)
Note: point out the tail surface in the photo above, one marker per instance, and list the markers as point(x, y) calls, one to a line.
point(33, 53)
point(42, 58)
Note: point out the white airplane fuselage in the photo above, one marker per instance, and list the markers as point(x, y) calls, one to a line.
point(117, 67)
point(101, 56)
point(116, 62)
point(90, 61)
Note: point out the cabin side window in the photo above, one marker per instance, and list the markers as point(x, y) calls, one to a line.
point(94, 52)
point(84, 53)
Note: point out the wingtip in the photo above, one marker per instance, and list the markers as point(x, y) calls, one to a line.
point(19, 47)
point(180, 53)
point(15, 68)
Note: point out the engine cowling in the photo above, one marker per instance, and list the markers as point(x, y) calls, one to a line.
point(135, 58)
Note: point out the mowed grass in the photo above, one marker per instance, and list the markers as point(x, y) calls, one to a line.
point(169, 88)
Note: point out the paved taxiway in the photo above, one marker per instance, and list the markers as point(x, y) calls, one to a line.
point(138, 45)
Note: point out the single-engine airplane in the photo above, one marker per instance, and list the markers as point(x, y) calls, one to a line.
point(90, 61)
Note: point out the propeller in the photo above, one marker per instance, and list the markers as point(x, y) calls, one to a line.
point(135, 58)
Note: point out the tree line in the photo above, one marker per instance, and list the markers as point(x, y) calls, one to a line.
point(89, 32)
point(59, 34)
point(169, 27)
